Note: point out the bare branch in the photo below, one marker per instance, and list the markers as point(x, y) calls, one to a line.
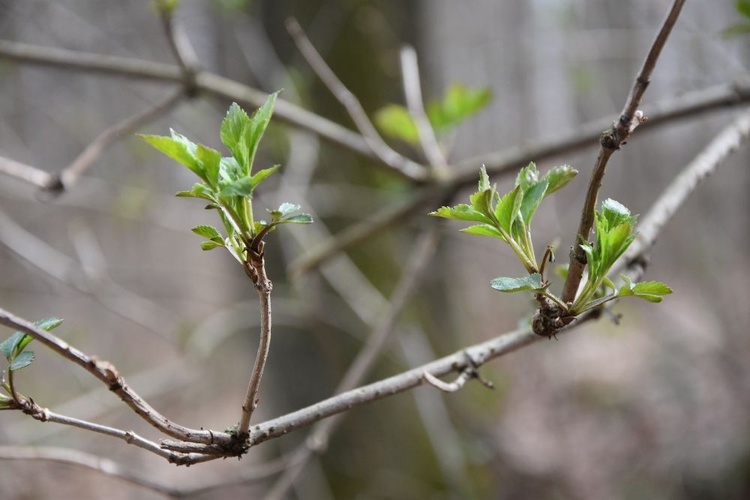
point(415, 104)
point(692, 103)
point(113, 134)
point(611, 141)
point(478, 353)
point(27, 173)
point(181, 48)
point(388, 217)
point(697, 102)
point(675, 195)
point(107, 373)
point(454, 386)
point(382, 150)
point(220, 86)
point(263, 287)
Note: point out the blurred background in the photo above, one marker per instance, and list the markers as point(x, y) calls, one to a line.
point(655, 407)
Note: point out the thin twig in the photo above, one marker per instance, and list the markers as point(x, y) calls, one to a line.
point(211, 83)
point(263, 287)
point(108, 374)
point(697, 102)
point(690, 104)
point(111, 135)
point(181, 48)
point(611, 141)
point(35, 411)
point(414, 269)
point(682, 186)
point(415, 104)
point(34, 176)
point(454, 386)
point(357, 233)
point(352, 105)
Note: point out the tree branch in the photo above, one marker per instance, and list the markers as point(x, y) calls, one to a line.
point(107, 373)
point(347, 99)
point(678, 191)
point(263, 286)
point(415, 104)
point(611, 141)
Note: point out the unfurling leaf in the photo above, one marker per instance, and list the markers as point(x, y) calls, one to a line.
point(233, 132)
point(558, 177)
point(257, 126)
point(208, 232)
point(23, 360)
point(461, 212)
point(483, 230)
point(179, 148)
point(210, 245)
point(395, 121)
point(528, 283)
point(459, 103)
point(48, 324)
point(652, 291)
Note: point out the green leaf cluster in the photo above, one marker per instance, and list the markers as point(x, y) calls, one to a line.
point(14, 350)
point(458, 104)
point(614, 234)
point(228, 183)
point(508, 217)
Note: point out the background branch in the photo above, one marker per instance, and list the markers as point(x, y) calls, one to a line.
point(382, 150)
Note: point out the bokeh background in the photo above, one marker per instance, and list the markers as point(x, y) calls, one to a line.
point(655, 407)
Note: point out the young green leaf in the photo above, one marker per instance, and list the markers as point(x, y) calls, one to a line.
point(532, 197)
point(260, 176)
point(210, 245)
point(558, 177)
point(298, 219)
point(283, 215)
point(615, 213)
point(179, 148)
point(210, 159)
point(23, 360)
point(506, 209)
point(457, 105)
point(527, 176)
point(286, 208)
point(652, 291)
point(257, 126)
point(9, 347)
point(395, 121)
point(483, 230)
point(243, 186)
point(199, 190)
point(461, 212)
point(208, 232)
point(48, 324)
point(232, 133)
point(531, 282)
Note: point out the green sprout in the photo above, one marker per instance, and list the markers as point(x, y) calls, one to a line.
point(508, 218)
point(228, 182)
